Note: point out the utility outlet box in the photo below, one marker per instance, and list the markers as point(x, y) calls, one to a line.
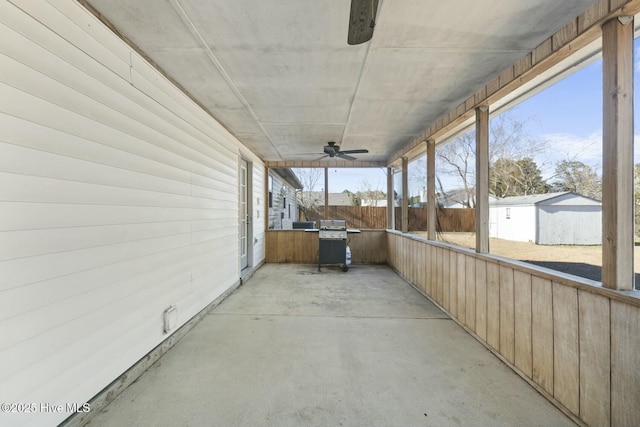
point(170, 317)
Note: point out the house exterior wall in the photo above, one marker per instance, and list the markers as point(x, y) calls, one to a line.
point(119, 198)
point(520, 226)
point(570, 225)
point(284, 204)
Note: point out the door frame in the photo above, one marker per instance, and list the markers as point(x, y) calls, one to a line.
point(248, 214)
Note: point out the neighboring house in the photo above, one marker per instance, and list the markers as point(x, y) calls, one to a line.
point(454, 199)
point(547, 219)
point(283, 203)
point(316, 198)
point(377, 203)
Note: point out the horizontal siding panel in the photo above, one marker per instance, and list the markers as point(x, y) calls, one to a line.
point(23, 271)
point(27, 243)
point(27, 134)
point(26, 298)
point(25, 188)
point(28, 161)
point(119, 113)
point(28, 216)
point(54, 352)
point(114, 60)
point(168, 105)
point(193, 271)
point(34, 109)
point(40, 58)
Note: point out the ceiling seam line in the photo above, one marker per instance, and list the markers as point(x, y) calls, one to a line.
point(357, 89)
point(212, 57)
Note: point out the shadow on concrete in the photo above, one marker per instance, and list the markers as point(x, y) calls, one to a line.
point(580, 269)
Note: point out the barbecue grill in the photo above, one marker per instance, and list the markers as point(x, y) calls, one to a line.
point(332, 242)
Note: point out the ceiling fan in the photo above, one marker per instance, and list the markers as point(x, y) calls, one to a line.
point(333, 150)
point(362, 20)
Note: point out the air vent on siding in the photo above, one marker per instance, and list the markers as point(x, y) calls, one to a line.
point(170, 316)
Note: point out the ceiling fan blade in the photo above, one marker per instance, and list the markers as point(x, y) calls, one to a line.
point(320, 158)
point(354, 151)
point(362, 20)
point(344, 156)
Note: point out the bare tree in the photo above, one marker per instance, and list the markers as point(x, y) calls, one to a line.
point(507, 141)
point(368, 195)
point(309, 178)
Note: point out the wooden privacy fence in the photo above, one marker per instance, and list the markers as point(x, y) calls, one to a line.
point(356, 216)
point(372, 217)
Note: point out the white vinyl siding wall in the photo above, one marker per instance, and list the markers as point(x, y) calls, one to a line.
point(118, 198)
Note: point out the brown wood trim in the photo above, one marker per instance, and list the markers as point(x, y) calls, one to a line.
point(572, 37)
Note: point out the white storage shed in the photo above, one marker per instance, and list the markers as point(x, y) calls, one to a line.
point(547, 219)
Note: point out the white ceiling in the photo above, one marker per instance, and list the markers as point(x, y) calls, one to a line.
point(280, 75)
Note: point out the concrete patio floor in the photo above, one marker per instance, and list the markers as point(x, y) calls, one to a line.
point(294, 347)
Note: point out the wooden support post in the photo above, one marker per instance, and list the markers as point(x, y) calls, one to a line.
point(405, 194)
point(431, 190)
point(617, 153)
point(482, 180)
point(390, 206)
point(326, 193)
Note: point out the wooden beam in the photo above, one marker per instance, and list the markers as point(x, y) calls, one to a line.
point(482, 180)
point(326, 193)
point(390, 198)
point(617, 177)
point(431, 190)
point(405, 194)
point(325, 163)
point(568, 40)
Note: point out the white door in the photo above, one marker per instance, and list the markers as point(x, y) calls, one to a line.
point(244, 215)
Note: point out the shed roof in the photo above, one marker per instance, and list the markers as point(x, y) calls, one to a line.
point(535, 199)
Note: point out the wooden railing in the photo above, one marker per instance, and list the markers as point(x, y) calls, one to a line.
point(574, 341)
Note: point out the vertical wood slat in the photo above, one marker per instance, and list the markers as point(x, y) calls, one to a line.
point(493, 305)
point(507, 338)
point(481, 299)
point(446, 257)
point(566, 375)
point(420, 259)
point(427, 267)
point(542, 333)
point(617, 136)
point(595, 359)
point(461, 288)
point(522, 327)
point(470, 292)
point(625, 360)
point(453, 283)
point(440, 255)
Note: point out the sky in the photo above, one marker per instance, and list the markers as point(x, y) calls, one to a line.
point(567, 116)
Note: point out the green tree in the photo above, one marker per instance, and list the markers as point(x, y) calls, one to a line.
point(521, 177)
point(572, 175)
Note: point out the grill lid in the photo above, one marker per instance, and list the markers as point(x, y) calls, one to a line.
point(333, 224)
